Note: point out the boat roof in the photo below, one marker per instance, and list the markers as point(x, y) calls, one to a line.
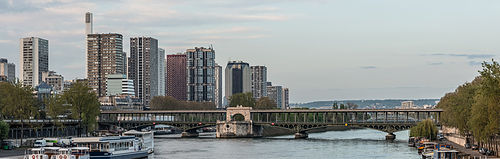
point(51, 148)
point(79, 148)
point(430, 143)
point(36, 149)
point(162, 126)
point(135, 132)
point(101, 139)
point(64, 149)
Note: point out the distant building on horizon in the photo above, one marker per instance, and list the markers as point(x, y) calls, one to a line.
point(200, 74)
point(275, 93)
point(218, 86)
point(143, 67)
point(7, 70)
point(286, 99)
point(238, 78)
point(54, 80)
point(407, 105)
point(34, 53)
point(176, 76)
point(105, 56)
point(259, 81)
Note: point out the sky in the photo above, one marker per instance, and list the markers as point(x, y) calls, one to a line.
point(319, 49)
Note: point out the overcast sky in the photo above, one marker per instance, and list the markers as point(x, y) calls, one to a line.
point(320, 49)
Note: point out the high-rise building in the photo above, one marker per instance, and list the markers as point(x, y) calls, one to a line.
point(218, 86)
point(176, 76)
point(286, 99)
point(259, 81)
point(144, 68)
point(238, 78)
point(275, 93)
point(54, 80)
point(7, 70)
point(34, 53)
point(89, 24)
point(158, 73)
point(200, 71)
point(104, 57)
point(118, 84)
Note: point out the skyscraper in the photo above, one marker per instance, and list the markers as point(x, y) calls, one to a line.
point(259, 79)
point(200, 70)
point(275, 93)
point(158, 73)
point(286, 98)
point(143, 67)
point(7, 70)
point(238, 78)
point(218, 86)
point(34, 60)
point(104, 57)
point(176, 76)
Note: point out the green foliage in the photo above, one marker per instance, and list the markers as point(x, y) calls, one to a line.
point(426, 129)
point(244, 99)
point(485, 121)
point(265, 103)
point(17, 101)
point(55, 107)
point(84, 104)
point(474, 108)
point(335, 105)
point(4, 130)
point(170, 103)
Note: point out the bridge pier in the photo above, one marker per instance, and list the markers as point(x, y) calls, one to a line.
point(390, 137)
point(189, 134)
point(301, 135)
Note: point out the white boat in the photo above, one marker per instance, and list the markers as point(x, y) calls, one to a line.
point(112, 147)
point(80, 152)
point(63, 153)
point(36, 153)
point(162, 129)
point(146, 139)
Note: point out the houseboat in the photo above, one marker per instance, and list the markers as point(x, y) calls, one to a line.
point(162, 129)
point(112, 147)
point(146, 139)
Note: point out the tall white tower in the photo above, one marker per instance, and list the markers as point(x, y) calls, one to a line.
point(88, 23)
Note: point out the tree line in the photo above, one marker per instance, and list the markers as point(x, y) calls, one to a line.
point(78, 102)
point(474, 107)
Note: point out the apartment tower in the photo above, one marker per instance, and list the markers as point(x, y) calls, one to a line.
point(34, 53)
point(176, 76)
point(200, 74)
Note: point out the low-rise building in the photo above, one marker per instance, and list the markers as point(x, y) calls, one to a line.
point(118, 84)
point(53, 79)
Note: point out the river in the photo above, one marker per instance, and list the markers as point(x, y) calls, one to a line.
point(359, 143)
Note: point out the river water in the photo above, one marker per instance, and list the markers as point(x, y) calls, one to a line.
point(359, 143)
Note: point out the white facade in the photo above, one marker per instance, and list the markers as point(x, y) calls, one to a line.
point(407, 105)
point(7, 70)
point(259, 81)
point(34, 53)
point(161, 72)
point(218, 86)
point(89, 24)
point(118, 84)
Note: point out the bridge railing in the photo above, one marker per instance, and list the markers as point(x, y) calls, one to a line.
point(345, 116)
point(162, 116)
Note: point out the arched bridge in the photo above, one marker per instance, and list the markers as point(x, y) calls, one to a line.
point(300, 121)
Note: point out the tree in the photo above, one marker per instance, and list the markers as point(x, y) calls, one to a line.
point(4, 130)
point(335, 105)
point(342, 106)
point(265, 103)
point(485, 120)
point(426, 129)
point(17, 102)
point(170, 103)
point(84, 105)
point(55, 107)
point(244, 99)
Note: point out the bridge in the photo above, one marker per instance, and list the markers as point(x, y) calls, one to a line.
point(230, 122)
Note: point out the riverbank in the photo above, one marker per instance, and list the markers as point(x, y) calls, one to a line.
point(458, 142)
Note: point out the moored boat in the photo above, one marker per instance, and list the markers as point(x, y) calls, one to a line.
point(112, 147)
point(146, 139)
point(36, 153)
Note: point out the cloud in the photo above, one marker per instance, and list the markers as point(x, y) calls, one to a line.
point(468, 56)
point(435, 63)
point(368, 67)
